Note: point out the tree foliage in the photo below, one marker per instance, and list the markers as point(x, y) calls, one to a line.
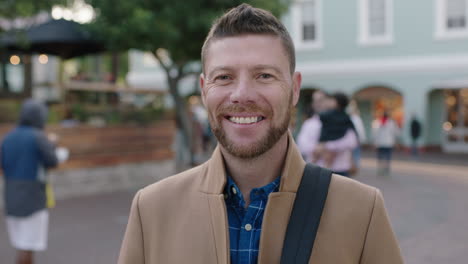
point(177, 27)
point(26, 8)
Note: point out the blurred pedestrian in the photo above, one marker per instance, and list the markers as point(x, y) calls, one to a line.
point(200, 127)
point(309, 134)
point(26, 152)
point(335, 150)
point(69, 120)
point(416, 128)
point(336, 125)
point(385, 132)
point(180, 147)
point(355, 116)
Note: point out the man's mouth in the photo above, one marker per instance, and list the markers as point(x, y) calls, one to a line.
point(245, 120)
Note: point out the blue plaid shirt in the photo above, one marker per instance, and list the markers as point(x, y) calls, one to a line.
point(245, 224)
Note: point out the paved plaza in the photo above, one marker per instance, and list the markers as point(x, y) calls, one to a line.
point(427, 202)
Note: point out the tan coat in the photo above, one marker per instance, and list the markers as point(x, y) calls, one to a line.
point(183, 219)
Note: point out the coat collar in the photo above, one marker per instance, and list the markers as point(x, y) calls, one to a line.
point(277, 212)
point(214, 175)
point(293, 169)
point(279, 207)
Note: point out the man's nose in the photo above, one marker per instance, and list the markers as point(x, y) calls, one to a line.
point(243, 91)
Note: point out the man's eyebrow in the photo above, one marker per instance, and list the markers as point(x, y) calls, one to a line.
point(267, 67)
point(255, 68)
point(218, 69)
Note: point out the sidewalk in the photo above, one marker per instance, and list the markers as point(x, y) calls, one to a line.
point(82, 230)
point(436, 158)
point(426, 202)
point(425, 198)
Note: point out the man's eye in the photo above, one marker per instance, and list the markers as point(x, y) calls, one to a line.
point(265, 76)
point(222, 77)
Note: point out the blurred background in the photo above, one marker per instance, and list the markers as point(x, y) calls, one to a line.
point(121, 81)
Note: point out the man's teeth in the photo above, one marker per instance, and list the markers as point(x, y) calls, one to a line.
point(245, 120)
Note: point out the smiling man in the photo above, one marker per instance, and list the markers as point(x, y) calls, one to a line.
point(235, 208)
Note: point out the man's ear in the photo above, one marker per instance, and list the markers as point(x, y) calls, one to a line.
point(202, 87)
point(297, 80)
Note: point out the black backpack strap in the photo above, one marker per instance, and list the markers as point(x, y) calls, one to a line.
point(305, 217)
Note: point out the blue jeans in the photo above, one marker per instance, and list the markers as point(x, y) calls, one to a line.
point(357, 156)
point(384, 153)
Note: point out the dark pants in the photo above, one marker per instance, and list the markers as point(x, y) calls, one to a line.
point(384, 153)
point(414, 148)
point(384, 156)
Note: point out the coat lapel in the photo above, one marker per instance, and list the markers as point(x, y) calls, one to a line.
point(275, 221)
point(219, 227)
point(212, 185)
point(277, 212)
point(279, 207)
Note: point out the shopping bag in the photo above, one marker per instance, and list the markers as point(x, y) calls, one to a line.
point(50, 196)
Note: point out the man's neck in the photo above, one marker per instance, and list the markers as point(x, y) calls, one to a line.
point(258, 172)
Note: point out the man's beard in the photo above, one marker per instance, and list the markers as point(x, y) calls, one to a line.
point(258, 148)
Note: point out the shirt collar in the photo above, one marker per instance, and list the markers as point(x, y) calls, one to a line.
point(233, 193)
point(213, 178)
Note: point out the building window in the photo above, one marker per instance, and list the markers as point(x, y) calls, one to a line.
point(307, 17)
point(377, 18)
point(375, 21)
point(451, 18)
point(456, 14)
point(309, 20)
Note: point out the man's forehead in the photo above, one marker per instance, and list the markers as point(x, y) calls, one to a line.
point(259, 51)
point(223, 43)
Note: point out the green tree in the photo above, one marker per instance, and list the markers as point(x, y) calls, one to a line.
point(26, 8)
point(173, 31)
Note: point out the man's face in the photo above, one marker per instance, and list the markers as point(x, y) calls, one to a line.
point(249, 92)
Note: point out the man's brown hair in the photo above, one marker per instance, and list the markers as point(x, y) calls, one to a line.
point(245, 19)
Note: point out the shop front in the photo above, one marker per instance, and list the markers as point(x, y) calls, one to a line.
point(455, 125)
point(374, 101)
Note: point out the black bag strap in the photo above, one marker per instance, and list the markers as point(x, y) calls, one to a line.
point(305, 217)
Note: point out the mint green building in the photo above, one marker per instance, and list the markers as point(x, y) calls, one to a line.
point(410, 57)
point(407, 56)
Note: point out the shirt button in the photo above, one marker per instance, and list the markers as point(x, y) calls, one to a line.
point(248, 227)
point(234, 191)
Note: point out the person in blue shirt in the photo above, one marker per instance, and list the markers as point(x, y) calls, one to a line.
point(25, 154)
